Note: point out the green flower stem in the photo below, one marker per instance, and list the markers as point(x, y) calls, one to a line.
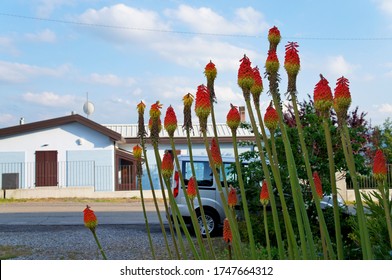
point(230, 217)
point(142, 143)
point(266, 232)
point(140, 186)
point(323, 243)
point(323, 225)
point(269, 183)
point(384, 190)
point(158, 162)
point(363, 230)
point(243, 196)
point(202, 214)
point(275, 171)
point(336, 208)
point(99, 244)
point(190, 208)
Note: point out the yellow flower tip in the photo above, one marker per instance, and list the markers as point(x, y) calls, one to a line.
point(140, 107)
point(188, 99)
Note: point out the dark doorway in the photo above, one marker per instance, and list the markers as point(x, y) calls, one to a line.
point(45, 168)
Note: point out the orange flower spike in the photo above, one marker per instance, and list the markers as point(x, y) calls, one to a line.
point(137, 152)
point(272, 63)
point(90, 220)
point(210, 71)
point(227, 235)
point(167, 166)
point(191, 190)
point(257, 87)
point(291, 60)
point(233, 118)
point(264, 196)
point(150, 122)
point(342, 99)
point(232, 197)
point(274, 37)
point(203, 103)
point(216, 154)
point(140, 107)
point(155, 110)
point(245, 74)
point(271, 118)
point(322, 96)
point(380, 166)
point(317, 183)
point(188, 99)
point(170, 121)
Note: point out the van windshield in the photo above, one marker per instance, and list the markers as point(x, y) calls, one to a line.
point(204, 173)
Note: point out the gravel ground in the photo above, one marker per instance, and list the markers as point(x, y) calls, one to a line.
point(75, 242)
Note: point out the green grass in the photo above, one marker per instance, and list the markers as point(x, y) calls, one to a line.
point(8, 252)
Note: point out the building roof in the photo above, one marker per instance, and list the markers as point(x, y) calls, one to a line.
point(23, 128)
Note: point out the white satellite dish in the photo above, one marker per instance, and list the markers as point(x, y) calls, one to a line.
point(88, 107)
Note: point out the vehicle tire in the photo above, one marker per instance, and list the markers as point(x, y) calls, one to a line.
point(212, 220)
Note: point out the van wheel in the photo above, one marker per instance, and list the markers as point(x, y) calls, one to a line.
point(212, 222)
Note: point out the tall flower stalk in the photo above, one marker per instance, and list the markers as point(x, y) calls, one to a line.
point(91, 222)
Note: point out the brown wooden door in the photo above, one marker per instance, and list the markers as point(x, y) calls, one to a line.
point(45, 168)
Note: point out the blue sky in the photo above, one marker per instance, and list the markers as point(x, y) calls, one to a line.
point(52, 52)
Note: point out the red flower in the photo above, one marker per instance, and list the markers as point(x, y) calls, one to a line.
point(170, 121)
point(318, 185)
point(342, 99)
point(90, 220)
point(264, 196)
point(150, 122)
point(271, 118)
point(257, 87)
point(232, 197)
point(155, 110)
point(203, 102)
point(274, 37)
point(191, 190)
point(245, 74)
point(137, 152)
point(272, 62)
point(322, 96)
point(227, 235)
point(167, 166)
point(380, 166)
point(140, 107)
point(215, 153)
point(210, 71)
point(233, 118)
point(291, 59)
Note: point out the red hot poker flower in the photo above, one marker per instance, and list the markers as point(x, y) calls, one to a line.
point(137, 152)
point(274, 37)
point(257, 87)
point(167, 166)
point(380, 166)
point(170, 121)
point(245, 74)
point(322, 96)
point(233, 118)
point(188, 99)
point(291, 59)
point(342, 99)
point(203, 102)
point(272, 62)
point(232, 197)
point(264, 196)
point(140, 107)
point(227, 235)
point(216, 154)
point(271, 118)
point(150, 123)
point(318, 185)
point(191, 190)
point(90, 220)
point(155, 110)
point(210, 71)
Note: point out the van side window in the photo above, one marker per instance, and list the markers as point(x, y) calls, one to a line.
point(203, 173)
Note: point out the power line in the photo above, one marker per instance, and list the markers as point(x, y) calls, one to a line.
point(97, 25)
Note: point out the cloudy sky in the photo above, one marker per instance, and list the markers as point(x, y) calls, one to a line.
point(52, 52)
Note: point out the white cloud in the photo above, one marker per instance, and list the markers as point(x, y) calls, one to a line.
point(6, 118)
point(338, 66)
point(110, 80)
point(385, 108)
point(46, 36)
point(50, 99)
point(385, 6)
point(46, 7)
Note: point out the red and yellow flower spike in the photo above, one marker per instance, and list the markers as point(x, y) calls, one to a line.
point(274, 37)
point(210, 71)
point(159, 124)
point(318, 185)
point(257, 87)
point(272, 62)
point(140, 107)
point(137, 152)
point(380, 166)
point(216, 154)
point(188, 99)
point(227, 235)
point(271, 118)
point(203, 105)
point(342, 98)
point(264, 196)
point(90, 220)
point(191, 189)
point(233, 118)
point(322, 96)
point(232, 197)
point(155, 110)
point(291, 59)
point(245, 76)
point(170, 121)
point(167, 166)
